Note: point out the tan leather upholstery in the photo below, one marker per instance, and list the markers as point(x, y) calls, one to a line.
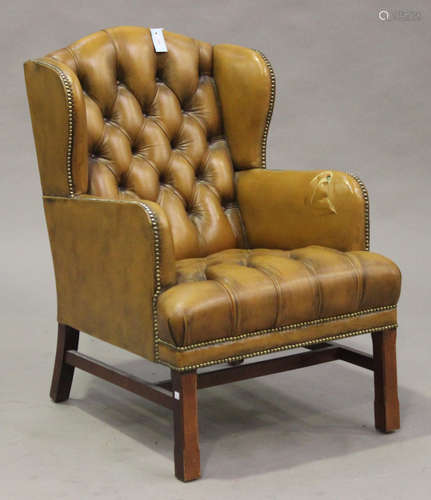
point(168, 237)
point(59, 126)
point(292, 209)
point(245, 87)
point(155, 132)
point(105, 254)
point(218, 294)
point(273, 340)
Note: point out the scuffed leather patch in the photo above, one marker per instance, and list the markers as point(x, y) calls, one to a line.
point(322, 193)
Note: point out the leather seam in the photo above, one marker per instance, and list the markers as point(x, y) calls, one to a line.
point(243, 228)
point(314, 274)
point(279, 329)
point(199, 122)
point(141, 127)
point(107, 163)
point(234, 304)
point(75, 59)
point(355, 263)
point(277, 287)
point(116, 51)
point(270, 350)
point(148, 161)
point(113, 123)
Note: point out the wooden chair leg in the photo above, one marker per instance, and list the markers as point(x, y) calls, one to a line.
point(386, 405)
point(186, 428)
point(62, 376)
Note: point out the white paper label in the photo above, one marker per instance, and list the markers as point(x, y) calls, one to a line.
point(176, 395)
point(158, 40)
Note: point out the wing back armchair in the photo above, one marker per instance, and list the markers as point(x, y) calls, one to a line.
point(171, 240)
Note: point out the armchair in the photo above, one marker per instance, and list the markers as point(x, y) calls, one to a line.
point(171, 240)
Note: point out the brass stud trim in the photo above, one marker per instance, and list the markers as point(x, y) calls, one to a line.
point(366, 208)
point(279, 329)
point(278, 349)
point(265, 140)
point(157, 268)
point(67, 85)
point(270, 108)
point(157, 278)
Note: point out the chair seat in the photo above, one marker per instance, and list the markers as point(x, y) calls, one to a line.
point(237, 291)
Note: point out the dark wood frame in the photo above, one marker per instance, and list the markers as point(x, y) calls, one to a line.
point(179, 393)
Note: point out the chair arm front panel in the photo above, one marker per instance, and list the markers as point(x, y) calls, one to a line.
point(59, 125)
point(111, 260)
point(294, 209)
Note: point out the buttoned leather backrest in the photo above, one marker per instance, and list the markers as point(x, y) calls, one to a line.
point(154, 131)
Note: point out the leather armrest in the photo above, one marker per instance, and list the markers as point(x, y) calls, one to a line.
point(294, 209)
point(112, 258)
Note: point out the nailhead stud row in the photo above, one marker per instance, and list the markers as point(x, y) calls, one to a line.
point(270, 108)
point(69, 102)
point(157, 284)
point(278, 329)
point(367, 210)
point(265, 140)
point(153, 219)
point(282, 348)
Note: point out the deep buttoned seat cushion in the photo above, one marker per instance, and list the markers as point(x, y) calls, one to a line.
point(237, 291)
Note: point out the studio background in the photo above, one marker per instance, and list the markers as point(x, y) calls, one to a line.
point(353, 94)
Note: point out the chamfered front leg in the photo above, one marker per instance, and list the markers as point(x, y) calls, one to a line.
point(62, 376)
point(186, 427)
point(386, 405)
